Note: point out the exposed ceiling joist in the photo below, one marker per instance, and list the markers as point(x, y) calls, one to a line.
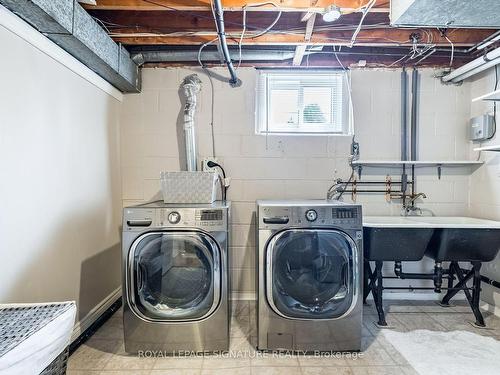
point(301, 49)
point(234, 5)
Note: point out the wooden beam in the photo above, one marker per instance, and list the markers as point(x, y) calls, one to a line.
point(371, 37)
point(301, 49)
point(234, 5)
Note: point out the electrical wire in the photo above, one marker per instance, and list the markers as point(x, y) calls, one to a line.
point(212, 92)
point(452, 49)
point(244, 29)
point(367, 8)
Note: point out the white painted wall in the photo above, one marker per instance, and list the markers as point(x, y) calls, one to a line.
point(289, 167)
point(60, 180)
point(485, 182)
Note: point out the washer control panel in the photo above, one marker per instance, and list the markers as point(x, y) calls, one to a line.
point(276, 217)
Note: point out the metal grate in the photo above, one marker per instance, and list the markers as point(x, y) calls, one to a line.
point(19, 323)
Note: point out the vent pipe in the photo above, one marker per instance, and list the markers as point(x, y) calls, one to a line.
point(191, 86)
point(219, 21)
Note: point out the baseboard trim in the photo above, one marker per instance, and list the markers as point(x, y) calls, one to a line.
point(94, 314)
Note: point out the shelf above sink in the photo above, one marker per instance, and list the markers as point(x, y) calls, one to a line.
point(439, 164)
point(416, 163)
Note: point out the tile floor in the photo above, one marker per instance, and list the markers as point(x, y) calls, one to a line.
point(104, 352)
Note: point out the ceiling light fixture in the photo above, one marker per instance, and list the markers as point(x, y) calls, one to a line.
point(331, 13)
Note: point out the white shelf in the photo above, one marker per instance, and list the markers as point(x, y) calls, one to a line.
point(488, 148)
point(495, 95)
point(417, 163)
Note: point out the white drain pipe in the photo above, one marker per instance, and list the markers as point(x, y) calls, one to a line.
point(490, 59)
point(191, 86)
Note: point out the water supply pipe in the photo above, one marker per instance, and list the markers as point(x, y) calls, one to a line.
point(191, 86)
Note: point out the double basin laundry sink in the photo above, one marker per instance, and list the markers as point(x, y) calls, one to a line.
point(409, 238)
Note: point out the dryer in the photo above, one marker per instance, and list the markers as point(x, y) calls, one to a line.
point(309, 275)
point(175, 277)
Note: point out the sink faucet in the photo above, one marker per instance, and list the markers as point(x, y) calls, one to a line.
point(409, 206)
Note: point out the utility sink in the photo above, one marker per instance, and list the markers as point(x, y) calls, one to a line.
point(409, 238)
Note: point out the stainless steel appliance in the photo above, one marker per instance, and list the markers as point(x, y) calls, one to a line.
point(175, 277)
point(309, 275)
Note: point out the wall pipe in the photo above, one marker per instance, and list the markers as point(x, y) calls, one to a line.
point(404, 132)
point(475, 66)
point(219, 20)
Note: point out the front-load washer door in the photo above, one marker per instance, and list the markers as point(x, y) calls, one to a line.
point(174, 276)
point(311, 273)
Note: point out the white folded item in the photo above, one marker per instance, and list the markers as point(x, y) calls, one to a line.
point(34, 353)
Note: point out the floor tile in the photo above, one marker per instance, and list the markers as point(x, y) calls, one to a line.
point(227, 371)
point(176, 371)
point(220, 362)
point(92, 355)
point(178, 363)
point(121, 362)
point(321, 361)
point(379, 370)
point(275, 371)
point(414, 321)
point(326, 371)
point(272, 359)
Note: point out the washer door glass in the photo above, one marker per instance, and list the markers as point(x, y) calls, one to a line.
point(310, 273)
point(174, 275)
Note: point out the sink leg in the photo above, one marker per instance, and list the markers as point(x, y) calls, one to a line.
point(476, 294)
point(462, 283)
point(378, 294)
point(366, 280)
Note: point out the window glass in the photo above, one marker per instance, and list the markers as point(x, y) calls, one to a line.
point(302, 102)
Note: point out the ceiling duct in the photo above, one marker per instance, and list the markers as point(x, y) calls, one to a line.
point(481, 14)
point(143, 57)
point(68, 25)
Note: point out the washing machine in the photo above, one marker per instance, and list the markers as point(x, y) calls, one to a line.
point(175, 277)
point(309, 275)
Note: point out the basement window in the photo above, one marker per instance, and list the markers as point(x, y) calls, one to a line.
point(302, 102)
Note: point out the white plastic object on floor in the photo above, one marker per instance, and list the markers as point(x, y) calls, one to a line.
point(33, 354)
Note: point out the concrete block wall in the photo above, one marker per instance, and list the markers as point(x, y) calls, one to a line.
point(289, 167)
point(485, 182)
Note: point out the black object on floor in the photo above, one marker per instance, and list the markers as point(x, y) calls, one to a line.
point(95, 326)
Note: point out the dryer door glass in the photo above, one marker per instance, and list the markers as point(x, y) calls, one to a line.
point(174, 275)
point(310, 273)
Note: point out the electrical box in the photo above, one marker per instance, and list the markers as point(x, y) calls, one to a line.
point(482, 128)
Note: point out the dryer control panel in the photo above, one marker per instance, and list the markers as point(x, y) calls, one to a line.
point(142, 218)
point(331, 215)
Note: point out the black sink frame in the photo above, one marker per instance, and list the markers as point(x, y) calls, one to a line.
point(373, 282)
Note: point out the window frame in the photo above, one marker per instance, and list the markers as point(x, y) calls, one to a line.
point(263, 124)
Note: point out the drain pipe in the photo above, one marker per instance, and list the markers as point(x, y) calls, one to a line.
point(219, 21)
point(191, 86)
